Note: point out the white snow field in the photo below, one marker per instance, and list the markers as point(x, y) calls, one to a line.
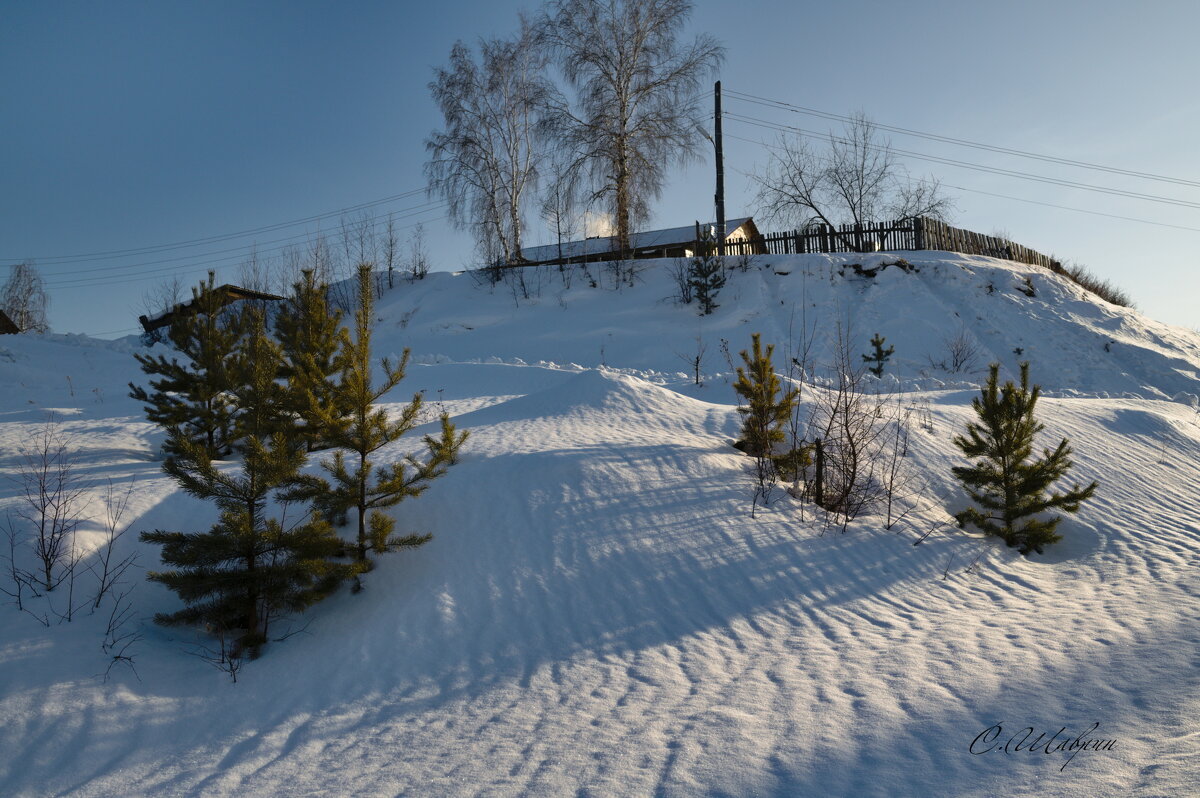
point(599, 615)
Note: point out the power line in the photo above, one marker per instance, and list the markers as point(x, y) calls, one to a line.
point(88, 282)
point(110, 254)
point(799, 109)
point(977, 167)
point(1068, 208)
point(112, 332)
point(402, 213)
point(1001, 196)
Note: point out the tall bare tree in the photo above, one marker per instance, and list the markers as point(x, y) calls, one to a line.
point(560, 200)
point(24, 300)
point(637, 110)
point(854, 179)
point(486, 161)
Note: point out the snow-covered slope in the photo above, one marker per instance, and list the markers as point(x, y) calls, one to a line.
point(598, 614)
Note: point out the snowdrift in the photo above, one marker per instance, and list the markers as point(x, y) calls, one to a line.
point(598, 614)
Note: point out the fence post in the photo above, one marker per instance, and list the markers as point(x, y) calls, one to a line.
point(819, 486)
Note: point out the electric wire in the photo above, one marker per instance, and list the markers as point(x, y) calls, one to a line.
point(88, 282)
point(973, 166)
point(799, 109)
point(110, 254)
point(243, 248)
point(764, 145)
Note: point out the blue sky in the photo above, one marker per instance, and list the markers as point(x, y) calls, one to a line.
point(131, 125)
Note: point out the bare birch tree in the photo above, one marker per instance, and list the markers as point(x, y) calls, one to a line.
point(636, 109)
point(485, 163)
point(24, 300)
point(854, 179)
point(560, 201)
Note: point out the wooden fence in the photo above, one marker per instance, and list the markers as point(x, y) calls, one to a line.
point(936, 235)
point(910, 234)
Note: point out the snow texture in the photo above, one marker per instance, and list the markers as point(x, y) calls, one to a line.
point(599, 615)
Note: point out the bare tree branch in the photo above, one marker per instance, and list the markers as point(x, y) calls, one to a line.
point(856, 179)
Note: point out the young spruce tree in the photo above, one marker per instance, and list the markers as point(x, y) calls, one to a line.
point(1008, 486)
point(189, 398)
point(250, 567)
point(764, 418)
point(311, 336)
point(358, 483)
point(768, 406)
point(706, 274)
point(880, 356)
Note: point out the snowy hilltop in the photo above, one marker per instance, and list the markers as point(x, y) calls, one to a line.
point(598, 613)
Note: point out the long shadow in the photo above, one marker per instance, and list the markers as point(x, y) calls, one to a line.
point(603, 575)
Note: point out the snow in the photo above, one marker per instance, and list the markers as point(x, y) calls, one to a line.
point(598, 614)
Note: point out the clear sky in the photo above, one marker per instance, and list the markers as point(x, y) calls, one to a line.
point(132, 125)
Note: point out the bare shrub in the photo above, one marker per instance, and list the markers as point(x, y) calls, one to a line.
point(120, 636)
point(695, 360)
point(681, 274)
point(961, 354)
point(799, 371)
point(896, 478)
point(20, 579)
point(1105, 289)
point(418, 261)
point(107, 569)
point(49, 494)
point(227, 657)
point(849, 424)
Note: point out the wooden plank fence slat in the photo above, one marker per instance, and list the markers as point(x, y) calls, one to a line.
point(908, 235)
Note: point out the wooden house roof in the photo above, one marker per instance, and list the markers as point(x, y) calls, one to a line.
point(642, 244)
point(228, 292)
point(7, 325)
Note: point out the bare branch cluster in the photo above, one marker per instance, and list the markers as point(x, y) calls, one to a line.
point(852, 178)
point(50, 491)
point(850, 426)
point(43, 528)
point(961, 354)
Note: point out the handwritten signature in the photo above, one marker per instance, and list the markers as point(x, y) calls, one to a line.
point(989, 740)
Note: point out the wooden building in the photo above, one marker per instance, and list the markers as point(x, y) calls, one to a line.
point(7, 325)
point(673, 242)
point(228, 293)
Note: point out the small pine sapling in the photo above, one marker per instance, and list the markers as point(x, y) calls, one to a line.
point(880, 356)
point(768, 405)
point(249, 568)
point(1008, 487)
point(767, 411)
point(706, 274)
point(359, 483)
point(311, 338)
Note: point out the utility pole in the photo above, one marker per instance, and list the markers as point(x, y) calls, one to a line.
point(720, 195)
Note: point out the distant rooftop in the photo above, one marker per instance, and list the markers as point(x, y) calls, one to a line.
point(228, 293)
point(641, 243)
